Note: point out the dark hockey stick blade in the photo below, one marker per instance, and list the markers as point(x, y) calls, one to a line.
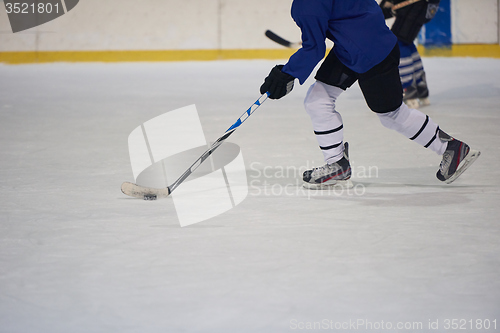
point(146, 193)
point(277, 39)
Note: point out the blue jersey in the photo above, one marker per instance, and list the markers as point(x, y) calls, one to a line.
point(357, 28)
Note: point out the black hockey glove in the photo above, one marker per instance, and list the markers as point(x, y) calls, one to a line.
point(432, 8)
point(386, 7)
point(277, 83)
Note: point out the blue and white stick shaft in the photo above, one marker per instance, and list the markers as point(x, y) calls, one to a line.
point(149, 193)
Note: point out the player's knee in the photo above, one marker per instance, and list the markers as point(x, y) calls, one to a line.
point(388, 119)
point(320, 98)
point(313, 98)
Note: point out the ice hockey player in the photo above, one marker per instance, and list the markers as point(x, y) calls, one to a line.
point(409, 20)
point(365, 50)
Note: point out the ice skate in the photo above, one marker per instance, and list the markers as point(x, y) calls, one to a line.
point(456, 159)
point(329, 176)
point(424, 101)
point(423, 92)
point(410, 96)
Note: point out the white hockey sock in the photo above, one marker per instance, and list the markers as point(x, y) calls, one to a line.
point(416, 126)
point(326, 122)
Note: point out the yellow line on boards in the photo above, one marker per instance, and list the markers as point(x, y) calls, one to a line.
point(132, 56)
point(460, 50)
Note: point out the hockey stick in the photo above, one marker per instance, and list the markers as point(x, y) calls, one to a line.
point(399, 5)
point(277, 39)
point(149, 193)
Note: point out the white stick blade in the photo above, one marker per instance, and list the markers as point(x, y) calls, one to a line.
point(146, 193)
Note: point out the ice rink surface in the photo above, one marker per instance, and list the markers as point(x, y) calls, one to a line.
point(401, 253)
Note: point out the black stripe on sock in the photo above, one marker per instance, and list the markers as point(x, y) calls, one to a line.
point(433, 138)
point(330, 131)
point(421, 128)
point(330, 147)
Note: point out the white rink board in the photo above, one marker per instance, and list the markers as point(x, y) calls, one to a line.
point(95, 25)
point(484, 14)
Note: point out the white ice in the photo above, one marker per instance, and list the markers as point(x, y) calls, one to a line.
point(76, 255)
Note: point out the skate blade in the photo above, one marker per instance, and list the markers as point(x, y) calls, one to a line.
point(464, 165)
point(412, 103)
point(339, 184)
point(425, 101)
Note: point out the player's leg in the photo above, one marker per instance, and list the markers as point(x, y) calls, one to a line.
point(423, 90)
point(414, 125)
point(332, 79)
point(382, 89)
point(407, 68)
point(420, 78)
point(326, 121)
